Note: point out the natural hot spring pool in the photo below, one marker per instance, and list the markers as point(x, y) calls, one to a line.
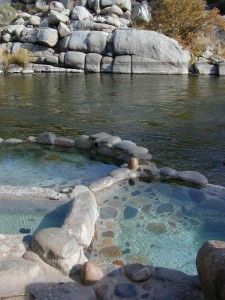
point(26, 217)
point(45, 166)
point(158, 223)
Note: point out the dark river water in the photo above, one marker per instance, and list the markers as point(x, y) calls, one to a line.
point(180, 119)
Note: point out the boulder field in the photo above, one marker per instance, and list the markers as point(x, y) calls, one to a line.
point(94, 36)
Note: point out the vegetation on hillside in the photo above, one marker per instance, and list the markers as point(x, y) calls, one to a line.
point(187, 21)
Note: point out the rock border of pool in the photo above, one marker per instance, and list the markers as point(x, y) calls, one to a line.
point(64, 249)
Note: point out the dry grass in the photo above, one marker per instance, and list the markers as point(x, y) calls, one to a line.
point(21, 57)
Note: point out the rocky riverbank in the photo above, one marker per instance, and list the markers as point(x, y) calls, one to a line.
point(94, 36)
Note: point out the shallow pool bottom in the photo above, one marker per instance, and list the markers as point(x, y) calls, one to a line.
point(158, 223)
point(48, 166)
point(28, 217)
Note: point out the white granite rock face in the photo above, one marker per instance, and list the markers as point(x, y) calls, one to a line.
point(82, 217)
point(205, 68)
point(75, 59)
point(92, 62)
point(47, 36)
point(156, 47)
point(59, 248)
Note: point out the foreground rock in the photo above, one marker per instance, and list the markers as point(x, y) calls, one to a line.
point(63, 247)
point(58, 248)
point(15, 275)
point(192, 177)
point(90, 273)
point(211, 269)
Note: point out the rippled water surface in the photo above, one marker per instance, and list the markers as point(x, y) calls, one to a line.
point(180, 119)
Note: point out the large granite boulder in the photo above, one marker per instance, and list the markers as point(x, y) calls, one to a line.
point(92, 62)
point(122, 64)
point(75, 59)
point(82, 218)
point(59, 248)
point(123, 4)
point(57, 6)
point(56, 17)
point(210, 263)
point(78, 41)
point(96, 41)
point(81, 13)
point(86, 41)
point(192, 177)
point(63, 30)
point(47, 36)
point(206, 68)
point(156, 53)
point(46, 138)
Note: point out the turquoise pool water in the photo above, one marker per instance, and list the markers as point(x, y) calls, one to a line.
point(29, 216)
point(164, 224)
point(33, 165)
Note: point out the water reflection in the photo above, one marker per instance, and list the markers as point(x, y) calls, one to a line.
point(180, 118)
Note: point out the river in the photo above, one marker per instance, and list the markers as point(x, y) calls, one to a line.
point(180, 119)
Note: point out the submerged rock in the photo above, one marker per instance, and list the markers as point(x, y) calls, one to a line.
point(108, 212)
point(156, 228)
point(108, 234)
point(111, 251)
point(130, 212)
point(145, 209)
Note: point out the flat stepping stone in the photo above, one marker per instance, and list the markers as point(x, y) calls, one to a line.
point(130, 212)
point(108, 212)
